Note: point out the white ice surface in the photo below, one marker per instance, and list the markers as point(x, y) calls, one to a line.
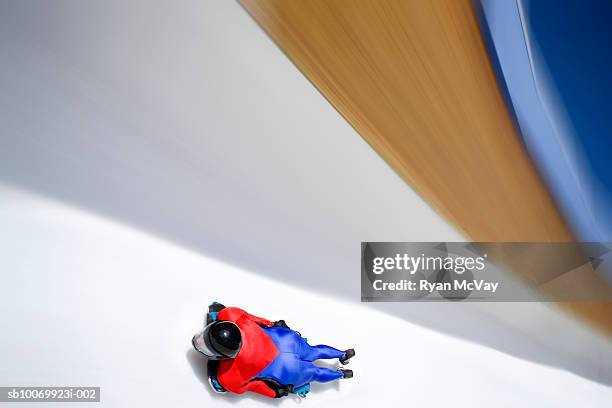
point(86, 301)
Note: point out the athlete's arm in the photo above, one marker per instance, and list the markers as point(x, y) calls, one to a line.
point(259, 387)
point(260, 320)
point(234, 313)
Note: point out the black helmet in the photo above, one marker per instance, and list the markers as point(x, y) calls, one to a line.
point(220, 339)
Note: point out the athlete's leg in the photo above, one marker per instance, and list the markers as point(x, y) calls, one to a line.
point(312, 353)
point(321, 374)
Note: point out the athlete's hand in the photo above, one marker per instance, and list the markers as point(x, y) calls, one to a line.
point(281, 323)
point(283, 391)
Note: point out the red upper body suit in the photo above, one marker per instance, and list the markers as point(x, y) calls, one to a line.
point(257, 351)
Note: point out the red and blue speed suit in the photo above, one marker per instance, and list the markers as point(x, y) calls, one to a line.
point(271, 353)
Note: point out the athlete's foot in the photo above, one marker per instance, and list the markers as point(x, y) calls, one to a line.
point(348, 354)
point(346, 373)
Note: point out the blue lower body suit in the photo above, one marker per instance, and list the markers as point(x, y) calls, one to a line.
point(294, 363)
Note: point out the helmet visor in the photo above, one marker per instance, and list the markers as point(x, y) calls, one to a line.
point(200, 344)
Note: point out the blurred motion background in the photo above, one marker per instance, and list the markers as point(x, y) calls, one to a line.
point(552, 61)
point(156, 156)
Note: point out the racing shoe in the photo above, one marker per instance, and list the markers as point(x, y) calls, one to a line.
point(348, 354)
point(346, 373)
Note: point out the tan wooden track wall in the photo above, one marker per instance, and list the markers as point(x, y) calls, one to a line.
point(414, 79)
